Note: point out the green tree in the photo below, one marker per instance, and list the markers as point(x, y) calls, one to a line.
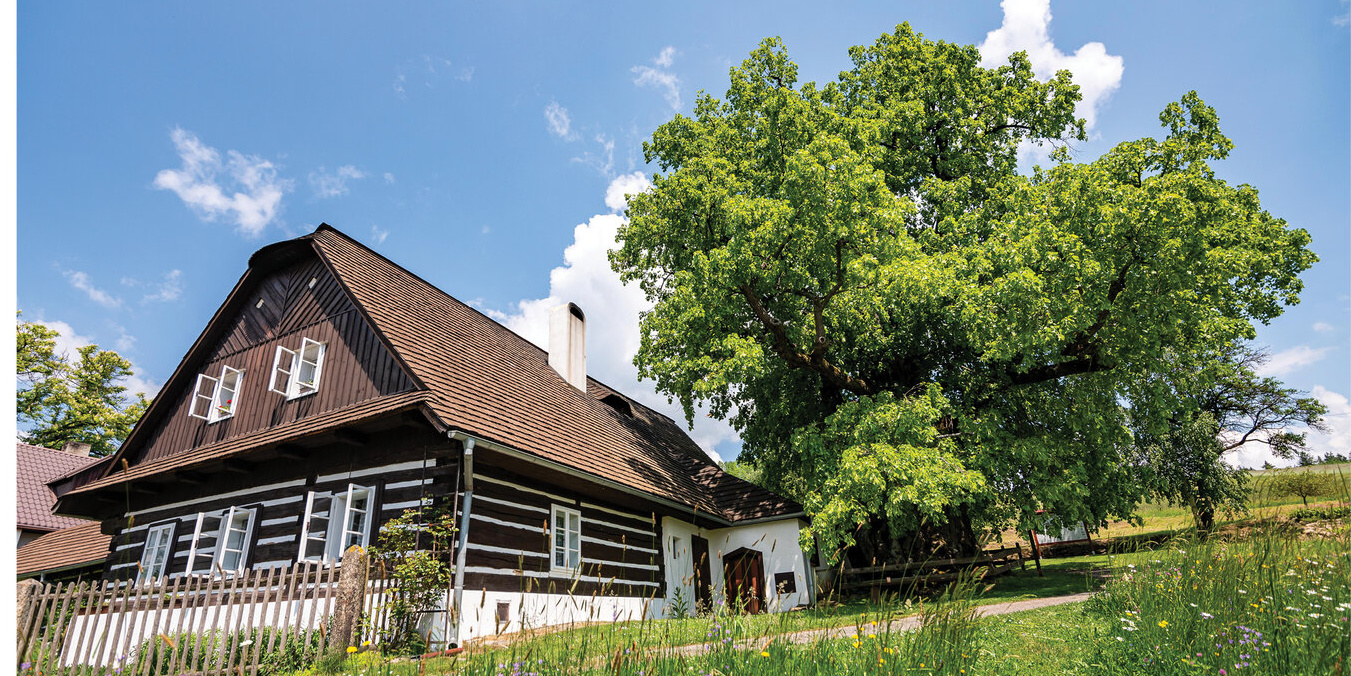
point(811, 247)
point(1305, 484)
point(61, 399)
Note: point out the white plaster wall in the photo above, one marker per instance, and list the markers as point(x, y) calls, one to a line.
point(533, 610)
point(777, 542)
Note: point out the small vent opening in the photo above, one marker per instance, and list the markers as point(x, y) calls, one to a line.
point(618, 403)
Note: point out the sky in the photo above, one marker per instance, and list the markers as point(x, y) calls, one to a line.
point(487, 146)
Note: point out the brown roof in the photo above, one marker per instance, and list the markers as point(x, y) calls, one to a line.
point(36, 466)
point(68, 548)
point(479, 377)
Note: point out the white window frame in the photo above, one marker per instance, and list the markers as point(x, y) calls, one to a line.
point(159, 545)
point(315, 537)
point(194, 546)
point(288, 364)
point(221, 396)
point(570, 548)
point(227, 526)
point(339, 530)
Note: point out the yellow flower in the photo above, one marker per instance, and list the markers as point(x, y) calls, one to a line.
point(1163, 623)
point(764, 653)
point(351, 649)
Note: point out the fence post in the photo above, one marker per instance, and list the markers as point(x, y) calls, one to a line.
point(350, 598)
point(25, 606)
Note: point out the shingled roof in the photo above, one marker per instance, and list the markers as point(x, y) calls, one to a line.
point(76, 547)
point(36, 466)
point(477, 376)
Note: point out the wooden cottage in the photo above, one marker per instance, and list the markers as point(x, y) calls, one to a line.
point(333, 390)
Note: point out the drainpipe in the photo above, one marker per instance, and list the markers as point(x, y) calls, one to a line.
point(463, 543)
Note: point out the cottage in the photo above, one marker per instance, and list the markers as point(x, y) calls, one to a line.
point(53, 548)
point(333, 390)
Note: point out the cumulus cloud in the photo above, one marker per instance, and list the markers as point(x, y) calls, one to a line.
point(559, 122)
point(1338, 419)
point(1026, 28)
point(623, 186)
point(660, 79)
point(612, 311)
point(68, 343)
point(242, 188)
point(333, 184)
point(80, 281)
point(1293, 359)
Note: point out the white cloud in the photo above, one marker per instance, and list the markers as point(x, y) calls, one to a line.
point(1323, 327)
point(662, 80)
point(327, 185)
point(389, 178)
point(612, 311)
point(168, 290)
point(602, 161)
point(627, 184)
point(68, 343)
point(1338, 419)
point(1026, 28)
point(378, 235)
point(465, 74)
point(560, 123)
point(204, 180)
point(666, 57)
point(81, 281)
point(1293, 359)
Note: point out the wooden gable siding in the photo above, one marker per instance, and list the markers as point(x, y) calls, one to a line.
point(509, 548)
point(403, 475)
point(356, 366)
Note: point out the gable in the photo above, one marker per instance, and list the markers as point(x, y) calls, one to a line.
point(297, 301)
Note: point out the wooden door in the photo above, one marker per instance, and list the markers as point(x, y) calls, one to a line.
point(703, 579)
point(744, 580)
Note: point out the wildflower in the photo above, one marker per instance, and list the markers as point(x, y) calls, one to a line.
point(764, 653)
point(351, 649)
point(1163, 624)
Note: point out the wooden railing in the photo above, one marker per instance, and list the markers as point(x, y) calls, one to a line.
point(220, 624)
point(990, 563)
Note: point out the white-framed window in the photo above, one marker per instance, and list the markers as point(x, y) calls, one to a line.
point(314, 527)
point(232, 544)
point(296, 373)
point(355, 527)
point(195, 547)
point(159, 542)
point(567, 538)
point(215, 399)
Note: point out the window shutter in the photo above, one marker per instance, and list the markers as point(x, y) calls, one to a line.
point(314, 527)
point(196, 543)
point(309, 368)
point(203, 397)
point(282, 365)
point(227, 394)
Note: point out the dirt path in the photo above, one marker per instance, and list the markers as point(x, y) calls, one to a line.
point(899, 625)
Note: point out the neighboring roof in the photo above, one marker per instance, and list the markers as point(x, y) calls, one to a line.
point(478, 377)
point(82, 545)
point(35, 467)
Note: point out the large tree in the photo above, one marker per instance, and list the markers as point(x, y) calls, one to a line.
point(63, 399)
point(858, 278)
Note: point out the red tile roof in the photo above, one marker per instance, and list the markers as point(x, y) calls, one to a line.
point(36, 466)
point(67, 548)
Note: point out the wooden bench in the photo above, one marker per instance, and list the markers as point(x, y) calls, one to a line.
point(995, 562)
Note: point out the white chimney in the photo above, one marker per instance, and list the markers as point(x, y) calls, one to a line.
point(567, 344)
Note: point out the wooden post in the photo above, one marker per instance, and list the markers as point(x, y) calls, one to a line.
point(25, 606)
point(351, 595)
point(1036, 551)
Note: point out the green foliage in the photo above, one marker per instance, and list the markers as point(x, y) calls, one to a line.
point(415, 547)
point(1187, 470)
point(1304, 485)
point(209, 651)
point(807, 247)
point(82, 400)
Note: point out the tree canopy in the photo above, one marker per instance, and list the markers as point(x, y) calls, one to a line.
point(61, 399)
point(910, 336)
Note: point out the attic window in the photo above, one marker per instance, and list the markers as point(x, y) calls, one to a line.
point(313, 281)
point(295, 373)
point(215, 399)
point(259, 304)
point(618, 403)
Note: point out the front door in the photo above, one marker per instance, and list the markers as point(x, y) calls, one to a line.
point(703, 580)
point(744, 577)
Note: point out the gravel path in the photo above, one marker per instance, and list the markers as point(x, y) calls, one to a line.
point(899, 625)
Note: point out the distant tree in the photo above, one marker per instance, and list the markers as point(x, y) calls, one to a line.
point(1268, 465)
point(1223, 406)
point(62, 399)
point(1305, 484)
point(1306, 459)
point(1331, 458)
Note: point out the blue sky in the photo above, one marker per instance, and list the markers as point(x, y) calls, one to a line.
point(159, 144)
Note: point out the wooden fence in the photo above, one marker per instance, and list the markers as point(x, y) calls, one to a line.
point(201, 624)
